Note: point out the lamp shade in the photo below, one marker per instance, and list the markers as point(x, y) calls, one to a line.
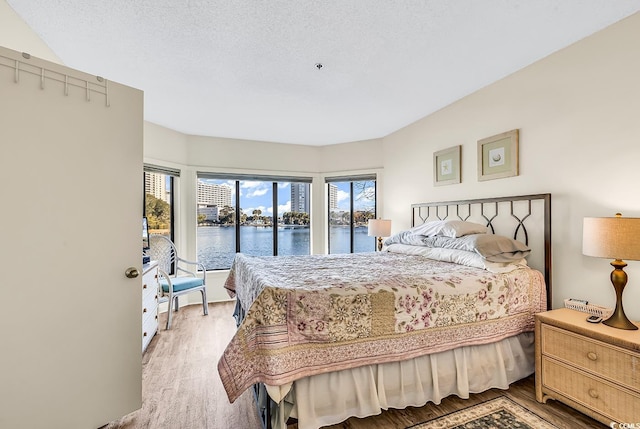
point(611, 237)
point(379, 227)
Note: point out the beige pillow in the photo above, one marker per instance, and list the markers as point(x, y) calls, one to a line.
point(494, 248)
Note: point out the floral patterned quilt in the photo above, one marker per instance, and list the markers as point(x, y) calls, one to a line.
point(321, 313)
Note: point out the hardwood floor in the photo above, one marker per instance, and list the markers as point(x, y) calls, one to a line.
point(181, 388)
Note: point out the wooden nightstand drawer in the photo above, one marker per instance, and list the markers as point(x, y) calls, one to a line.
point(602, 359)
point(617, 404)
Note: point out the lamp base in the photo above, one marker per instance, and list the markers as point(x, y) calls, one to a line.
point(379, 244)
point(619, 320)
point(619, 279)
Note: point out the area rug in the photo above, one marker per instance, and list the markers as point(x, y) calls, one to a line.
point(499, 413)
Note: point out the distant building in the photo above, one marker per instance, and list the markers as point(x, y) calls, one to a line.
point(212, 194)
point(301, 197)
point(333, 196)
point(210, 212)
point(154, 184)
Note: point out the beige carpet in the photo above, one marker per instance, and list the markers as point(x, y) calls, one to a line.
point(499, 413)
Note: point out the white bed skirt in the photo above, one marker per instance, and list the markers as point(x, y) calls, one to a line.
point(330, 398)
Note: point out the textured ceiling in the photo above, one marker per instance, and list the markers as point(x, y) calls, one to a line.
point(247, 69)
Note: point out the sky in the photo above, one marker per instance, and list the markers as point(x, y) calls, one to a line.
point(257, 195)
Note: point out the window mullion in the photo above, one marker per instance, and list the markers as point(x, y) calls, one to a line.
point(329, 218)
point(238, 214)
point(274, 217)
point(352, 229)
point(171, 213)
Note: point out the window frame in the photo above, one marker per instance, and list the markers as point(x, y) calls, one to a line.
point(172, 174)
point(238, 178)
point(350, 179)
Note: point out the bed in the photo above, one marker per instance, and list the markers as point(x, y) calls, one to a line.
point(447, 308)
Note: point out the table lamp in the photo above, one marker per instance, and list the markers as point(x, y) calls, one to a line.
point(613, 238)
point(379, 228)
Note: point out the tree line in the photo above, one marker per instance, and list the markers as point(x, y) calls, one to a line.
point(158, 214)
point(227, 216)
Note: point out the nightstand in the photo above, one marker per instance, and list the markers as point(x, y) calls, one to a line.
point(589, 366)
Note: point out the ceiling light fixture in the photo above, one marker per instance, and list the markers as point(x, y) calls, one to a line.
point(319, 66)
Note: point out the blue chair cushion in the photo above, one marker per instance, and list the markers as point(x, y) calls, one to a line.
point(181, 283)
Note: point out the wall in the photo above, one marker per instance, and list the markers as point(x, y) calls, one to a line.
point(164, 145)
point(577, 111)
point(350, 156)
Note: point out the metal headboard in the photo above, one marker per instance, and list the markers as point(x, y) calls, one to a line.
point(522, 216)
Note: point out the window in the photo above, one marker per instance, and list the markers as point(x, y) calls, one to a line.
point(352, 202)
point(294, 234)
point(236, 214)
point(158, 199)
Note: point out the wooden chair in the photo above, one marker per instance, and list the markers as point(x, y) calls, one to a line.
point(177, 276)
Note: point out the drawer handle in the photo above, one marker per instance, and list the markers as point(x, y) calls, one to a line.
point(144, 334)
point(144, 310)
point(593, 393)
point(592, 356)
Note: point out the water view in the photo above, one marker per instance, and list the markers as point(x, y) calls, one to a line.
point(216, 244)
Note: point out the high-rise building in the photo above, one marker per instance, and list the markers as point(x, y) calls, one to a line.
point(300, 198)
point(213, 194)
point(154, 184)
point(333, 196)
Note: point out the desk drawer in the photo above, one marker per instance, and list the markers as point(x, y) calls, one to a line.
point(149, 328)
point(150, 290)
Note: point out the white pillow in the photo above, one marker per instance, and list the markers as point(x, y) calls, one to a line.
point(449, 228)
point(461, 257)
